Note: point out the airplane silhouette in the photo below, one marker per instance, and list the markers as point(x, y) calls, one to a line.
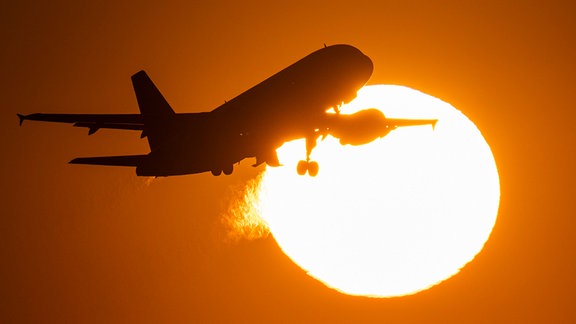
point(301, 101)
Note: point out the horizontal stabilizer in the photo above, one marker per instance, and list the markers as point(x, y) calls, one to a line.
point(94, 127)
point(123, 160)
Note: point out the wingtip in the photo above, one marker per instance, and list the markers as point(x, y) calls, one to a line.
point(21, 118)
point(75, 161)
point(434, 124)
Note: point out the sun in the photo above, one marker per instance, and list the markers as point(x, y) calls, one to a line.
point(392, 217)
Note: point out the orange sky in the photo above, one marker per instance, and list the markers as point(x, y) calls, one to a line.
point(90, 244)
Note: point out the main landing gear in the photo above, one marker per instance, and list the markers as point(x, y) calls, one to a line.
point(308, 166)
point(227, 170)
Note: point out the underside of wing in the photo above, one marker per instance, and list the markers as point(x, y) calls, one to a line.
point(123, 160)
point(394, 122)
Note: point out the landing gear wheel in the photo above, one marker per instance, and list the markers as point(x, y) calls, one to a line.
point(302, 167)
point(307, 166)
point(228, 169)
point(216, 172)
point(313, 168)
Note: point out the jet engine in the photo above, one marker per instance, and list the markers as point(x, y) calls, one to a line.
point(359, 128)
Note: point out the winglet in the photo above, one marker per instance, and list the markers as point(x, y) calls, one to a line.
point(434, 124)
point(21, 118)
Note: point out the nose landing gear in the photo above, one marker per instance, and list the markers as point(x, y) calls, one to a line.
point(306, 165)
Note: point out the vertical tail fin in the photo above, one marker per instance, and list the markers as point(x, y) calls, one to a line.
point(155, 110)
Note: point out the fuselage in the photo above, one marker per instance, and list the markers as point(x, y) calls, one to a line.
point(289, 105)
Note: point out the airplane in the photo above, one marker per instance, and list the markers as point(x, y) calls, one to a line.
point(301, 101)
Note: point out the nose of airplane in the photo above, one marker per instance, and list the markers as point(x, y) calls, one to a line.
point(367, 66)
point(363, 65)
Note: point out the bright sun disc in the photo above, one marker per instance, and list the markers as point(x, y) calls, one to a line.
point(392, 217)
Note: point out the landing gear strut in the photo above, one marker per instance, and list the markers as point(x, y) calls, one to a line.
point(306, 165)
point(312, 166)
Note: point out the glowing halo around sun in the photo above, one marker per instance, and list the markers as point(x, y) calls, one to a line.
point(392, 217)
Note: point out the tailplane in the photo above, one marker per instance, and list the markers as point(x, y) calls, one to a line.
point(155, 110)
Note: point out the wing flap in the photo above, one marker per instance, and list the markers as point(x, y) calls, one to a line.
point(121, 160)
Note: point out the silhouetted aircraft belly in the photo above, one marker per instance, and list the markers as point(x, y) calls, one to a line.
point(291, 104)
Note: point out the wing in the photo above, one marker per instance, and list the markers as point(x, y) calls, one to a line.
point(91, 121)
point(395, 122)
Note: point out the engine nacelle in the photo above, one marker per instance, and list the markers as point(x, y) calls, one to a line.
point(359, 128)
